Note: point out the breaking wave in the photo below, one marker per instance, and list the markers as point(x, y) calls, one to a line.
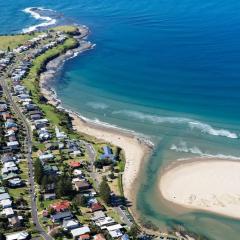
point(183, 147)
point(96, 105)
point(192, 124)
point(35, 13)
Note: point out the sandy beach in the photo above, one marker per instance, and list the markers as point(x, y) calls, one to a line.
point(203, 184)
point(134, 148)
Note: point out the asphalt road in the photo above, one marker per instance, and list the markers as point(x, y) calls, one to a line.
point(28, 146)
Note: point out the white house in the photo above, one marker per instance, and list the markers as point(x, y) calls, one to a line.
point(8, 212)
point(69, 224)
point(17, 236)
point(80, 231)
point(6, 203)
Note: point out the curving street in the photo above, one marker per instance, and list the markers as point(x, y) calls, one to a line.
point(28, 149)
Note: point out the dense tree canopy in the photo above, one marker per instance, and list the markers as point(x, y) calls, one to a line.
point(105, 191)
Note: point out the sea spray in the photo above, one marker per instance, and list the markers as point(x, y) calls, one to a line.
point(47, 21)
point(97, 105)
point(183, 147)
point(192, 124)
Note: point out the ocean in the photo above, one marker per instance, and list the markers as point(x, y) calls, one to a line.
point(166, 69)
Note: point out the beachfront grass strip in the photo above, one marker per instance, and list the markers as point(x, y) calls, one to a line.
point(66, 29)
point(32, 82)
point(13, 41)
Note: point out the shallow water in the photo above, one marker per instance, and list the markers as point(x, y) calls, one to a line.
point(165, 68)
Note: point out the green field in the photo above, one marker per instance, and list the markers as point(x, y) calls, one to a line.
point(66, 29)
point(15, 40)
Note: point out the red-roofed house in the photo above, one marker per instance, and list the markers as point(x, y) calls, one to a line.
point(45, 213)
point(84, 237)
point(61, 206)
point(96, 207)
point(6, 116)
point(15, 129)
point(74, 164)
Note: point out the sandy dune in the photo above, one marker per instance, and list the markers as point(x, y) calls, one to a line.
point(204, 184)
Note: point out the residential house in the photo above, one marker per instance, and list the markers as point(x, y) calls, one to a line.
point(106, 221)
point(8, 212)
point(43, 134)
point(98, 215)
point(107, 153)
point(114, 230)
point(70, 224)
point(14, 145)
point(60, 216)
point(4, 196)
point(96, 207)
point(77, 173)
point(18, 236)
point(61, 206)
point(74, 164)
point(15, 221)
point(6, 203)
point(85, 236)
point(81, 185)
point(51, 146)
point(45, 157)
point(60, 135)
point(10, 123)
point(77, 232)
point(15, 182)
point(9, 167)
point(99, 236)
point(48, 169)
point(7, 158)
point(49, 196)
point(35, 117)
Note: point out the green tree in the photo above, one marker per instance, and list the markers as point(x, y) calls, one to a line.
point(44, 182)
point(2, 236)
point(39, 172)
point(105, 191)
point(3, 222)
point(63, 187)
point(80, 200)
point(134, 231)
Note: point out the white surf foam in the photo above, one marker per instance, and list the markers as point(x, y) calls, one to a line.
point(96, 105)
point(182, 147)
point(192, 124)
point(47, 20)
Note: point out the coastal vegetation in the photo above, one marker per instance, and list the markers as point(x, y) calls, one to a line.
point(105, 191)
point(68, 29)
point(9, 42)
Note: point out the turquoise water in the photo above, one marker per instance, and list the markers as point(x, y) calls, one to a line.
point(168, 69)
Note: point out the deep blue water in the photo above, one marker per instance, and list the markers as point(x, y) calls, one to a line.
point(158, 66)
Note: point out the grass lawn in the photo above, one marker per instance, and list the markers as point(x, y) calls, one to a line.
point(85, 217)
point(66, 29)
point(46, 204)
point(24, 168)
point(19, 192)
point(113, 213)
point(114, 185)
point(15, 40)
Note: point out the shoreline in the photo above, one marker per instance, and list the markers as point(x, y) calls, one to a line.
point(202, 184)
point(137, 149)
